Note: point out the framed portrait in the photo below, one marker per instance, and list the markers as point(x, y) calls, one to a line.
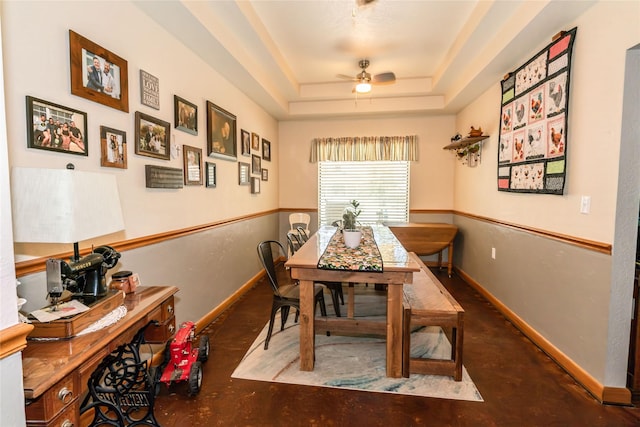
point(56, 128)
point(266, 150)
point(255, 185)
point(113, 145)
point(221, 133)
point(192, 159)
point(152, 136)
point(255, 141)
point(185, 115)
point(149, 90)
point(210, 169)
point(265, 174)
point(256, 165)
point(246, 142)
point(97, 74)
point(243, 173)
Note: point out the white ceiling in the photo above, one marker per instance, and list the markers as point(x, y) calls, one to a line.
point(286, 55)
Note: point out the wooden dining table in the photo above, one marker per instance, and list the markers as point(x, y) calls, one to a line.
point(397, 268)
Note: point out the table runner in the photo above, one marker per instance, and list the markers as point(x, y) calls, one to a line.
point(366, 257)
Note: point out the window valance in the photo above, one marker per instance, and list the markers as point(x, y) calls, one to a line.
point(365, 148)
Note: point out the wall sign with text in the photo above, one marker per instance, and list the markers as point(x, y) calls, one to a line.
point(532, 146)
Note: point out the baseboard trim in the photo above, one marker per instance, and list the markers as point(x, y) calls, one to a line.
point(604, 394)
point(218, 310)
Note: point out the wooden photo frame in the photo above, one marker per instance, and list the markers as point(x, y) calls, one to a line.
point(153, 136)
point(255, 141)
point(54, 127)
point(255, 185)
point(192, 160)
point(113, 148)
point(210, 169)
point(185, 115)
point(265, 174)
point(243, 173)
point(221, 133)
point(108, 85)
point(266, 150)
point(246, 142)
point(256, 165)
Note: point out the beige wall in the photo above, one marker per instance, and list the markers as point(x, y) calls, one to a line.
point(431, 176)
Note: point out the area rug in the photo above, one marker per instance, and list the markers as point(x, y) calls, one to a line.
point(354, 363)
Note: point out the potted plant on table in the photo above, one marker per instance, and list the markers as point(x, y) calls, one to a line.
point(350, 231)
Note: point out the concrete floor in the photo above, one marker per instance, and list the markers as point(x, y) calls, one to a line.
point(521, 386)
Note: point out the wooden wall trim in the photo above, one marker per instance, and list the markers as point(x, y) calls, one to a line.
point(611, 395)
point(36, 265)
point(605, 248)
point(13, 339)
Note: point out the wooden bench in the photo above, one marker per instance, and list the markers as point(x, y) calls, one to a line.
point(428, 303)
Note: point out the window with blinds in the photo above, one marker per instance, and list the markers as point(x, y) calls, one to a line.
point(381, 187)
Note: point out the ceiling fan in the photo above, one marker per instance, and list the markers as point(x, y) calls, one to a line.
point(365, 80)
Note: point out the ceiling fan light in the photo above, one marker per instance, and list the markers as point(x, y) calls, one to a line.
point(363, 87)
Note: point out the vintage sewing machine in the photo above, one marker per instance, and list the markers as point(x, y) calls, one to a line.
point(83, 277)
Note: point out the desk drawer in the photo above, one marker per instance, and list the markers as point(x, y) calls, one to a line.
point(160, 332)
point(46, 407)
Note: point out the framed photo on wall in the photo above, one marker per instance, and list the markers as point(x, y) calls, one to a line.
point(256, 165)
point(54, 127)
point(246, 142)
point(152, 136)
point(265, 174)
point(113, 145)
point(243, 173)
point(98, 74)
point(185, 115)
point(266, 150)
point(255, 141)
point(192, 159)
point(221, 133)
point(255, 185)
point(211, 174)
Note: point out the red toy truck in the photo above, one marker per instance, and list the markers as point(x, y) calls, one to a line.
point(183, 361)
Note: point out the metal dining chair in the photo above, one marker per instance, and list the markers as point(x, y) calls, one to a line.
point(304, 236)
point(285, 295)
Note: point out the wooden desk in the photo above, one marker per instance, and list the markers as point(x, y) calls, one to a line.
point(427, 239)
point(55, 373)
point(398, 269)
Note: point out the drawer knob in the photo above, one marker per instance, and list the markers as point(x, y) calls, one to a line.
point(65, 395)
point(172, 329)
point(170, 309)
point(66, 423)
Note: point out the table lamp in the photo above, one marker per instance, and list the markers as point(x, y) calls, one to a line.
point(66, 206)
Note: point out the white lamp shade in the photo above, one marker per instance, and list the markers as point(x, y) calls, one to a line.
point(363, 87)
point(63, 205)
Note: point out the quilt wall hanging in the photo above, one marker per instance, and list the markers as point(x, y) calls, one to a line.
point(532, 146)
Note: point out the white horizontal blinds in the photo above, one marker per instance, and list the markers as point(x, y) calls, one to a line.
point(381, 187)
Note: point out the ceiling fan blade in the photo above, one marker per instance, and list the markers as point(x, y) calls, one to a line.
point(345, 77)
point(384, 78)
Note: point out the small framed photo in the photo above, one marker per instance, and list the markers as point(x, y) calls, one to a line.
point(265, 174)
point(185, 115)
point(255, 185)
point(266, 150)
point(152, 136)
point(246, 143)
point(97, 74)
point(221, 133)
point(113, 144)
point(56, 128)
point(255, 141)
point(243, 173)
point(192, 159)
point(256, 165)
point(149, 90)
point(211, 174)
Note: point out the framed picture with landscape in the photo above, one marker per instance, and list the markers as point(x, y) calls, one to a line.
point(98, 74)
point(152, 136)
